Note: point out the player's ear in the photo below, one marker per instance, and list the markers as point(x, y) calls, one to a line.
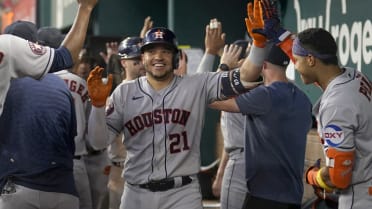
point(310, 59)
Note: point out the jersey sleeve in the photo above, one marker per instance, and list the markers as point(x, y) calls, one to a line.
point(24, 58)
point(256, 101)
point(338, 122)
point(114, 116)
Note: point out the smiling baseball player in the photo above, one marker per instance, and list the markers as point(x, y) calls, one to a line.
point(343, 113)
point(161, 116)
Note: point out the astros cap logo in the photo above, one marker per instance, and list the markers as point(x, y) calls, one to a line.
point(159, 34)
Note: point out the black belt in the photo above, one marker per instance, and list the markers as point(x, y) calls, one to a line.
point(96, 152)
point(118, 164)
point(164, 184)
point(77, 157)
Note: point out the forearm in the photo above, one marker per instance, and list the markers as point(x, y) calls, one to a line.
point(98, 134)
point(76, 36)
point(222, 166)
point(252, 65)
point(206, 63)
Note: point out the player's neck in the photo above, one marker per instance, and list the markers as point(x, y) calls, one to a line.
point(158, 84)
point(329, 75)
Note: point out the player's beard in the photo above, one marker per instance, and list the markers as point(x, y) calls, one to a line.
point(160, 77)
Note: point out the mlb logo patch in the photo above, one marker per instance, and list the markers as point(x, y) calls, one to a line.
point(36, 48)
point(333, 135)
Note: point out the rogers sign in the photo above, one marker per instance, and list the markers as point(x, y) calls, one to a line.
point(346, 20)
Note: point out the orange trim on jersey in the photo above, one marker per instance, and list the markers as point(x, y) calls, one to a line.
point(370, 191)
point(340, 167)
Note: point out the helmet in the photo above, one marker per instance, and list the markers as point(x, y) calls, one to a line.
point(160, 35)
point(130, 48)
point(165, 36)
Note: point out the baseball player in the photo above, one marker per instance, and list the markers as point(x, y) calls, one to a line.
point(161, 116)
point(229, 183)
point(130, 58)
point(343, 114)
point(20, 58)
point(52, 37)
point(343, 121)
point(33, 151)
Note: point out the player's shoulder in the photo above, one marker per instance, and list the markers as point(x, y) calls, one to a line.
point(198, 77)
point(8, 37)
point(66, 74)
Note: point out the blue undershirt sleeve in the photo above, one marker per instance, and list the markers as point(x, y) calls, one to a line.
point(62, 60)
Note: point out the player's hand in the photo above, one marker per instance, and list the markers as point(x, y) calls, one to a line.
point(230, 56)
point(147, 24)
point(214, 38)
point(311, 172)
point(98, 90)
point(216, 186)
point(272, 28)
point(111, 48)
point(255, 24)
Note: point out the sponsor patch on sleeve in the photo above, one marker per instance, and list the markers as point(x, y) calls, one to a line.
point(36, 48)
point(333, 135)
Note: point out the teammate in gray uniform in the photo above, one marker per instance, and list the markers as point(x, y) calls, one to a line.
point(130, 58)
point(233, 189)
point(161, 116)
point(229, 183)
point(344, 114)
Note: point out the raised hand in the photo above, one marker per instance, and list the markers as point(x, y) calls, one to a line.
point(230, 56)
point(111, 48)
point(272, 29)
point(255, 24)
point(98, 90)
point(147, 24)
point(214, 37)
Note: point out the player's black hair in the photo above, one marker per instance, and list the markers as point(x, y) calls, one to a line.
point(320, 41)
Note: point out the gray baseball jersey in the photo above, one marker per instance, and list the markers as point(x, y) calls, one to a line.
point(344, 123)
point(162, 129)
point(232, 127)
point(19, 58)
point(79, 91)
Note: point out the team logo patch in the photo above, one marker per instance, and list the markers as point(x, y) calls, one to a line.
point(36, 48)
point(159, 34)
point(333, 135)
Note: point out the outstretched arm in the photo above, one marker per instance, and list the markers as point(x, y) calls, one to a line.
point(252, 65)
point(98, 92)
point(75, 38)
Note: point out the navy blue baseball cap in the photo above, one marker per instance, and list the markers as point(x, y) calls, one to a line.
point(24, 29)
point(277, 56)
point(50, 36)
